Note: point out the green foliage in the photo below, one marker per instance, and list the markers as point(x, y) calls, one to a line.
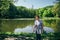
point(25, 12)
point(45, 12)
point(9, 10)
point(49, 36)
point(40, 12)
point(4, 6)
point(48, 13)
point(56, 8)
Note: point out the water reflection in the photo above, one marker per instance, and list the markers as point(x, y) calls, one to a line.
point(58, 25)
point(29, 29)
point(11, 25)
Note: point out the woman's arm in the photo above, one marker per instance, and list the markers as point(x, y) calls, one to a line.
point(34, 27)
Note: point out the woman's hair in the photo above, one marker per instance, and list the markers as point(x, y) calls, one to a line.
point(37, 16)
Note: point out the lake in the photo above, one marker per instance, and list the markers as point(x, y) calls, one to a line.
point(9, 25)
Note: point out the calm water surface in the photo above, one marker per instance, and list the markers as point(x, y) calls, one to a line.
point(11, 25)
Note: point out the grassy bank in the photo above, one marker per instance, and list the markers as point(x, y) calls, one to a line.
point(49, 36)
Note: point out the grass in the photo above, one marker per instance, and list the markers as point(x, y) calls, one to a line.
point(49, 36)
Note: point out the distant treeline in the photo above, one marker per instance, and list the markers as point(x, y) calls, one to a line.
point(9, 10)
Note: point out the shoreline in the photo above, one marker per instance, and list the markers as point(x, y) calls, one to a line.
point(29, 19)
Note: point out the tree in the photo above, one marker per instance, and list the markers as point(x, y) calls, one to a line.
point(25, 12)
point(40, 12)
point(4, 6)
point(45, 12)
point(12, 11)
point(48, 13)
point(56, 9)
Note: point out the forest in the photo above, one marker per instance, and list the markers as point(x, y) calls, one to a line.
point(9, 11)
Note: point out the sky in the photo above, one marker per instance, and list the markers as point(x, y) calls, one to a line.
point(34, 3)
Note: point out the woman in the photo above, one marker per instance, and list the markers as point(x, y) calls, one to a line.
point(38, 28)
